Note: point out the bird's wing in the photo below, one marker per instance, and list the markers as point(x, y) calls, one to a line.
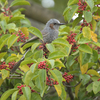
point(30, 40)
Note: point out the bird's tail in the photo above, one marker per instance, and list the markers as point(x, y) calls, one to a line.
point(18, 63)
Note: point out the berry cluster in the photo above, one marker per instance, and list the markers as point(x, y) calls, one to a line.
point(82, 5)
point(85, 24)
point(72, 41)
point(3, 65)
point(20, 89)
point(22, 37)
point(50, 81)
point(67, 77)
point(11, 64)
point(7, 12)
point(42, 65)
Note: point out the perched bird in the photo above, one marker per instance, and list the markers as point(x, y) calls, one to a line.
point(50, 33)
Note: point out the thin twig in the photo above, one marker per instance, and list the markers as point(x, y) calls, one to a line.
point(74, 85)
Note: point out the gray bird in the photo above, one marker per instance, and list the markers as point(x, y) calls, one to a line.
point(50, 33)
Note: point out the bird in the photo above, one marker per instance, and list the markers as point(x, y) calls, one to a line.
point(49, 33)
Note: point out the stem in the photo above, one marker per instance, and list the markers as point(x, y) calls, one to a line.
point(69, 91)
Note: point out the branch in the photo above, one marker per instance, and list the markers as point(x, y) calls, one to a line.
point(74, 85)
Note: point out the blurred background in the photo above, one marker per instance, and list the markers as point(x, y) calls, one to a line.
point(40, 11)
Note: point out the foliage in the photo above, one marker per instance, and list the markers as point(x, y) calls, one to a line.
point(68, 65)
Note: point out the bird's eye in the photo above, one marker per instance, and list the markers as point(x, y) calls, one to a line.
point(54, 23)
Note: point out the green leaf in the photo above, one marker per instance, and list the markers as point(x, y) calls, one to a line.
point(76, 21)
point(28, 77)
point(96, 43)
point(19, 2)
point(95, 55)
point(50, 47)
point(56, 54)
point(3, 25)
point(2, 55)
point(22, 97)
point(27, 61)
point(85, 78)
point(93, 72)
point(89, 87)
point(57, 75)
point(27, 92)
point(33, 67)
point(35, 32)
point(90, 3)
point(5, 73)
point(34, 46)
point(35, 96)
point(61, 42)
point(71, 2)
point(12, 27)
point(85, 58)
point(87, 16)
point(38, 54)
point(42, 80)
point(6, 94)
point(3, 40)
point(12, 39)
point(14, 95)
point(73, 72)
point(96, 87)
point(16, 18)
point(86, 32)
point(84, 40)
point(85, 48)
point(58, 64)
point(72, 10)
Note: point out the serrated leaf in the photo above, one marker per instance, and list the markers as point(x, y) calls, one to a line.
point(14, 95)
point(19, 2)
point(85, 78)
point(72, 10)
point(1, 81)
point(5, 73)
point(85, 48)
point(2, 54)
point(89, 87)
point(38, 54)
point(96, 87)
point(87, 16)
point(35, 32)
point(84, 68)
point(12, 39)
point(61, 42)
point(56, 54)
point(27, 61)
point(3, 25)
point(28, 77)
point(3, 40)
point(84, 40)
point(90, 3)
point(57, 75)
point(50, 47)
point(6, 94)
point(22, 97)
point(93, 72)
point(58, 89)
point(25, 31)
point(33, 67)
point(27, 92)
point(76, 21)
point(86, 32)
point(35, 96)
point(34, 46)
point(94, 36)
point(12, 27)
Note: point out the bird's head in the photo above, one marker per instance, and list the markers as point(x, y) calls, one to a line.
point(54, 24)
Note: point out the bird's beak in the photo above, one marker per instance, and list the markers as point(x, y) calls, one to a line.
point(61, 23)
